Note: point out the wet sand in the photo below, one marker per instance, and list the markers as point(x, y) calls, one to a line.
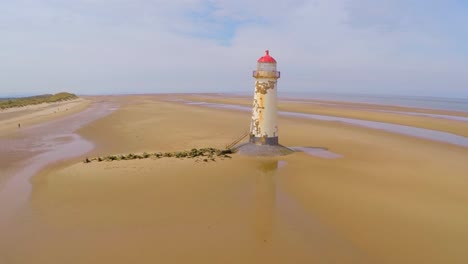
point(29, 116)
point(384, 197)
point(35, 114)
point(381, 113)
point(34, 147)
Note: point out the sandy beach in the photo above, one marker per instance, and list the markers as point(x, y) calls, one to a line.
point(28, 117)
point(385, 198)
point(35, 114)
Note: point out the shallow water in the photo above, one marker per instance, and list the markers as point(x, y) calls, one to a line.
point(282, 164)
point(317, 152)
point(38, 146)
point(452, 104)
point(450, 117)
point(429, 134)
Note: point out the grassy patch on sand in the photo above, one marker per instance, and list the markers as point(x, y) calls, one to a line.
point(34, 100)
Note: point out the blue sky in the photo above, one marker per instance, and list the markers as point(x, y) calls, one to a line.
point(405, 47)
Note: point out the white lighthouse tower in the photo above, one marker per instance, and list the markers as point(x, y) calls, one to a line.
point(264, 127)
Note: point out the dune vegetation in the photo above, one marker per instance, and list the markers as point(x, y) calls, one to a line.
point(34, 100)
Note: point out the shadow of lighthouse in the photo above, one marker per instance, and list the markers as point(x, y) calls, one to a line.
point(265, 200)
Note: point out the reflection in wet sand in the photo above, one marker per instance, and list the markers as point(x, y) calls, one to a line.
point(276, 211)
point(264, 200)
point(317, 152)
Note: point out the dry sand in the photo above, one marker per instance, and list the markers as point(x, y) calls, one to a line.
point(389, 199)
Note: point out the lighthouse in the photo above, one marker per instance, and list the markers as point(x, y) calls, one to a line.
point(264, 127)
point(263, 132)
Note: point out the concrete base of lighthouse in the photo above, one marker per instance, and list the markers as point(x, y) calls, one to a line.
point(252, 149)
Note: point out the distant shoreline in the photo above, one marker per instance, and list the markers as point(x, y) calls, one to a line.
point(29, 115)
point(19, 102)
point(425, 102)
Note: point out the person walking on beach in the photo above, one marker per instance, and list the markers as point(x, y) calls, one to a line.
point(19, 125)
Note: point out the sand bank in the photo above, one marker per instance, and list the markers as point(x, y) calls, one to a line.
point(35, 114)
point(388, 199)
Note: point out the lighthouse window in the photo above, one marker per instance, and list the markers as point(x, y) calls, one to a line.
point(266, 67)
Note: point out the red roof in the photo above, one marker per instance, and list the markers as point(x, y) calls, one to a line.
point(267, 58)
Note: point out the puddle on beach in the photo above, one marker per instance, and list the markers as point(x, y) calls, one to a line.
point(434, 135)
point(281, 164)
point(39, 146)
point(317, 152)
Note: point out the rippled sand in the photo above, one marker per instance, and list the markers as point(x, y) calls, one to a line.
point(388, 199)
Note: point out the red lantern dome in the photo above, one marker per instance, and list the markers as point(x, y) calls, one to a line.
point(267, 58)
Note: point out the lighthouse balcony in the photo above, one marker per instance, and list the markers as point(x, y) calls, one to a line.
point(266, 74)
